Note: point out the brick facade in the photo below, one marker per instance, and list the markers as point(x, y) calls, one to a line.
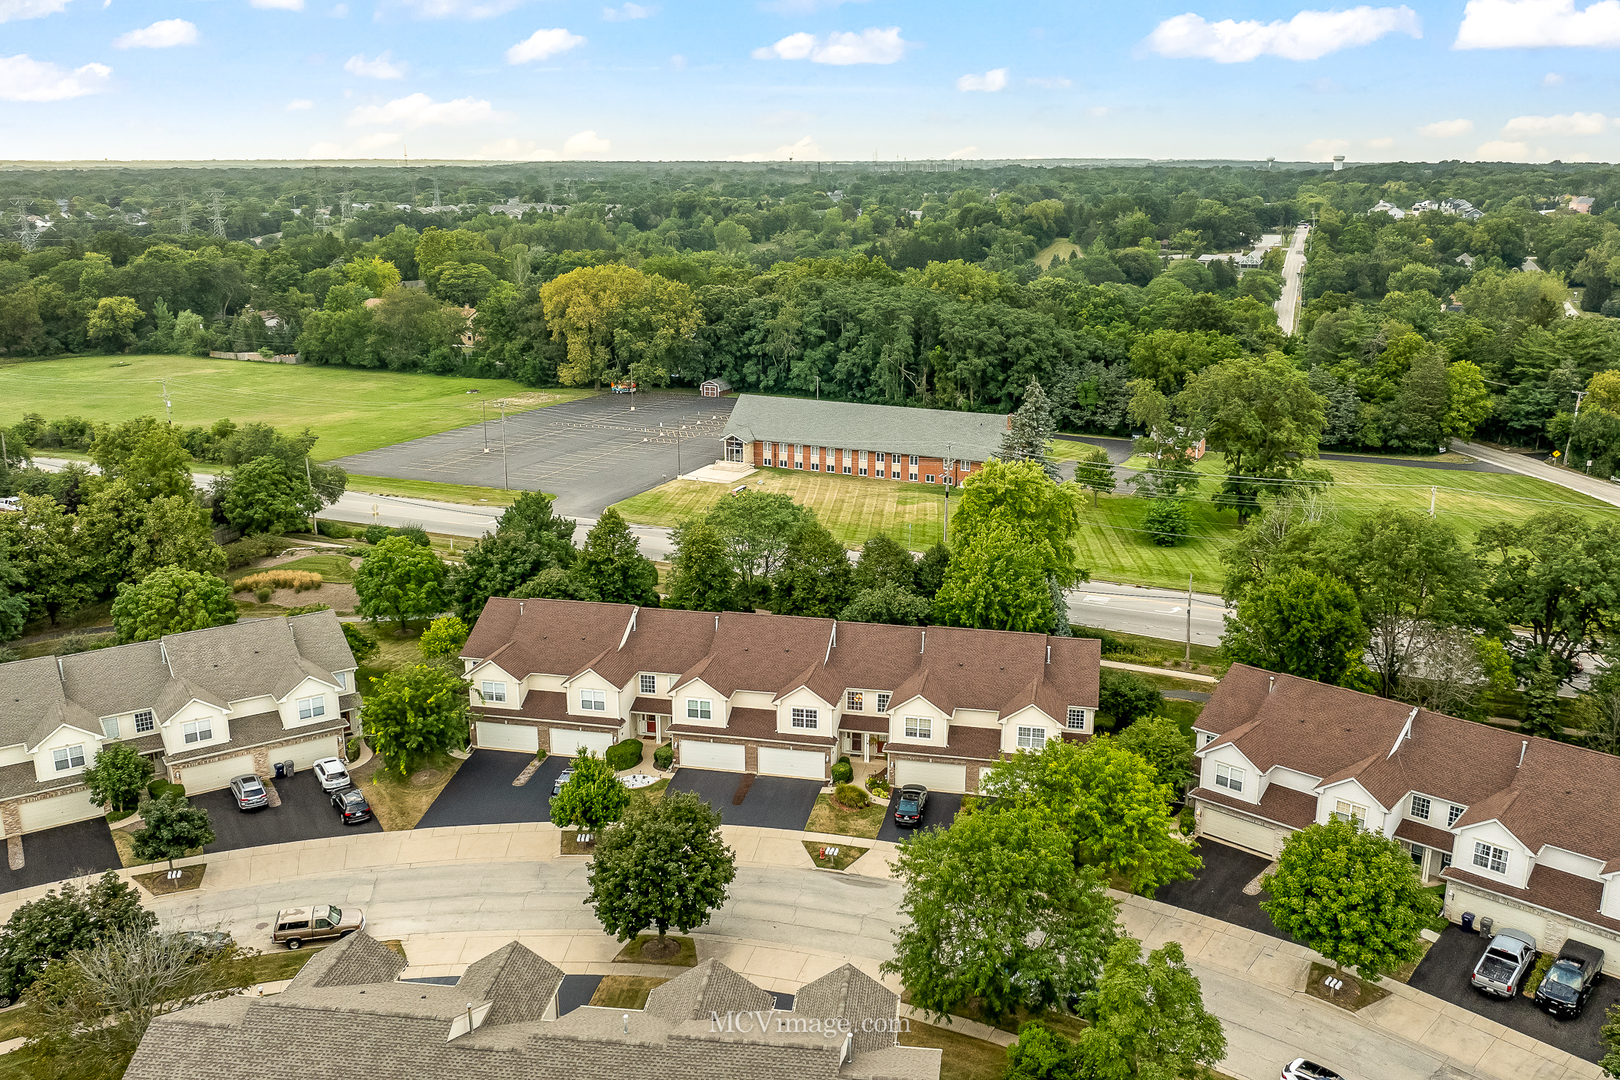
point(855, 462)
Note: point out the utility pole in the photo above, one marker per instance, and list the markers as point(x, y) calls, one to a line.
point(506, 477)
point(485, 424)
point(168, 412)
point(308, 479)
point(216, 212)
point(1188, 656)
point(1579, 394)
point(346, 205)
point(1432, 492)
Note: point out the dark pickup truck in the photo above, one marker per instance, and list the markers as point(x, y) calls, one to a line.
point(1571, 980)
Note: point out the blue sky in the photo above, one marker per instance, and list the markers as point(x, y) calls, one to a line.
point(814, 79)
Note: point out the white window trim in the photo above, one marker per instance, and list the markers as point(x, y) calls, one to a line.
point(342, 679)
point(150, 725)
point(1346, 810)
point(1031, 738)
point(648, 684)
point(1454, 813)
point(699, 708)
point(109, 727)
point(197, 731)
point(1229, 777)
point(883, 700)
point(312, 708)
point(1076, 718)
point(919, 727)
point(593, 701)
point(492, 690)
point(1428, 807)
point(854, 701)
point(805, 719)
point(1488, 852)
point(62, 757)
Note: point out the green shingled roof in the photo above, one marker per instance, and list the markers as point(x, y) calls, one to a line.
point(848, 425)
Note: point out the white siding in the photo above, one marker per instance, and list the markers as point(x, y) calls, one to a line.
point(1569, 862)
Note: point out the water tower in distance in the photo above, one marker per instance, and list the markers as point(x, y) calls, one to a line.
point(1338, 162)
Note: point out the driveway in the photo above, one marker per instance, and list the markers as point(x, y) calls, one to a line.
point(590, 453)
point(939, 812)
point(481, 792)
point(772, 802)
point(305, 813)
point(1444, 973)
point(67, 851)
point(1217, 891)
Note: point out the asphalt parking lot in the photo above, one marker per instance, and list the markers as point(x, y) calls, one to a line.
point(940, 810)
point(1217, 891)
point(1444, 973)
point(773, 802)
point(481, 792)
point(67, 851)
point(590, 453)
point(305, 813)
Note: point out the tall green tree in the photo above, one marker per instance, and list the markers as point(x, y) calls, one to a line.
point(701, 575)
point(612, 564)
point(415, 712)
point(47, 551)
point(400, 581)
point(443, 639)
point(1262, 416)
point(815, 578)
point(1299, 623)
point(268, 495)
point(174, 531)
point(173, 828)
point(1351, 894)
point(64, 921)
point(1046, 515)
point(1029, 433)
point(889, 604)
point(500, 564)
point(996, 581)
point(997, 911)
point(931, 570)
point(117, 776)
point(1109, 802)
point(13, 594)
point(756, 528)
point(171, 601)
point(1095, 471)
point(592, 798)
point(1160, 741)
point(1148, 1020)
point(665, 865)
point(884, 562)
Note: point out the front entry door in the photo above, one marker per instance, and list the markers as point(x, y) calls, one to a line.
point(649, 726)
point(855, 742)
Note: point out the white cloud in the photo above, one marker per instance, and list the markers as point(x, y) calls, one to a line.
point(30, 9)
point(803, 7)
point(160, 35)
point(460, 9)
point(1307, 36)
point(870, 46)
point(805, 148)
point(1570, 124)
point(965, 152)
point(1552, 78)
point(1380, 144)
point(279, 5)
point(518, 150)
point(1446, 129)
point(586, 144)
point(628, 12)
point(1530, 24)
point(299, 104)
point(1055, 83)
point(1097, 110)
point(678, 62)
point(23, 78)
point(376, 141)
point(383, 67)
point(543, 44)
point(1502, 150)
point(991, 81)
point(1326, 148)
point(419, 110)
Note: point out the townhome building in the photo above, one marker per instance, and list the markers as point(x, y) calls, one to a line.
point(204, 706)
point(774, 694)
point(1520, 829)
point(884, 442)
point(349, 1011)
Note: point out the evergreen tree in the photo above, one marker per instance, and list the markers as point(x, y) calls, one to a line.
point(931, 570)
point(816, 578)
point(701, 578)
point(1029, 431)
point(612, 564)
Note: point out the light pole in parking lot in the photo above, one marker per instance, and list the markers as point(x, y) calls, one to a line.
point(506, 479)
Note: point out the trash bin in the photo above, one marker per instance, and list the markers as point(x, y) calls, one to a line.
point(1485, 925)
point(288, 766)
point(1468, 922)
point(280, 766)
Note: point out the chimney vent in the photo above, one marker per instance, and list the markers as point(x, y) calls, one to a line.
point(627, 1023)
point(924, 643)
point(1522, 748)
point(1049, 654)
point(1271, 684)
point(520, 609)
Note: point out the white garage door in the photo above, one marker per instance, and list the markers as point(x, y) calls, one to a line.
point(699, 754)
point(1240, 831)
point(213, 775)
point(933, 775)
point(567, 743)
point(806, 764)
point(498, 736)
point(1503, 917)
point(61, 810)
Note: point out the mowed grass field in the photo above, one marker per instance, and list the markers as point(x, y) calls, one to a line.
point(1113, 544)
point(351, 409)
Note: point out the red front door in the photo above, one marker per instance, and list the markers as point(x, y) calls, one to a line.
point(649, 726)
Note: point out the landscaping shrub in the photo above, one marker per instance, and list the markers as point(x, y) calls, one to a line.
point(1110, 643)
point(1167, 522)
point(842, 771)
point(307, 608)
point(376, 534)
point(161, 787)
point(415, 534)
point(878, 784)
point(297, 580)
point(81, 641)
point(335, 529)
point(625, 755)
point(262, 595)
point(1125, 697)
point(664, 756)
point(243, 551)
point(353, 749)
point(853, 797)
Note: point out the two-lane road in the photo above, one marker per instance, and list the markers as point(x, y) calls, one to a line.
point(1293, 268)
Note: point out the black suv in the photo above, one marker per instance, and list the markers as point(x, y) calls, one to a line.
point(1571, 980)
point(908, 810)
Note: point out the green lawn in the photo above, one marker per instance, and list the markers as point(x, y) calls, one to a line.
point(333, 568)
point(429, 489)
point(350, 409)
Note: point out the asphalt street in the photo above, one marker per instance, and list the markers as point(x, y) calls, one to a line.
point(1293, 268)
point(1159, 613)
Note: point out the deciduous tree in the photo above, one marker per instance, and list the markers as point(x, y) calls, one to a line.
point(815, 575)
point(884, 562)
point(173, 828)
point(63, 921)
point(592, 798)
point(414, 712)
point(996, 581)
point(1299, 623)
point(612, 564)
point(1160, 741)
point(112, 322)
point(1352, 895)
point(443, 638)
point(118, 776)
point(1095, 471)
point(701, 577)
point(400, 581)
point(997, 911)
point(267, 495)
point(889, 604)
point(171, 601)
point(1148, 1020)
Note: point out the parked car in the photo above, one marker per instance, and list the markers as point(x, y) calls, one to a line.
point(624, 387)
point(332, 774)
point(249, 793)
point(1507, 958)
point(1571, 979)
point(908, 811)
point(318, 922)
point(1300, 1069)
point(562, 778)
point(207, 941)
point(352, 805)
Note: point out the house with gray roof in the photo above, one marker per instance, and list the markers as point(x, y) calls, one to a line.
point(347, 1012)
point(205, 706)
point(777, 695)
point(885, 442)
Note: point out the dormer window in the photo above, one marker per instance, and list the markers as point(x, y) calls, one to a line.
point(311, 707)
point(342, 679)
point(805, 718)
point(854, 701)
point(592, 701)
point(68, 757)
point(1486, 857)
point(1455, 813)
point(198, 731)
point(882, 702)
point(1077, 718)
point(649, 684)
point(1420, 807)
point(493, 691)
point(145, 722)
point(109, 726)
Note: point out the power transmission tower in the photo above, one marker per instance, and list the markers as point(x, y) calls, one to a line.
point(346, 206)
point(216, 212)
point(435, 194)
point(185, 213)
point(26, 236)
